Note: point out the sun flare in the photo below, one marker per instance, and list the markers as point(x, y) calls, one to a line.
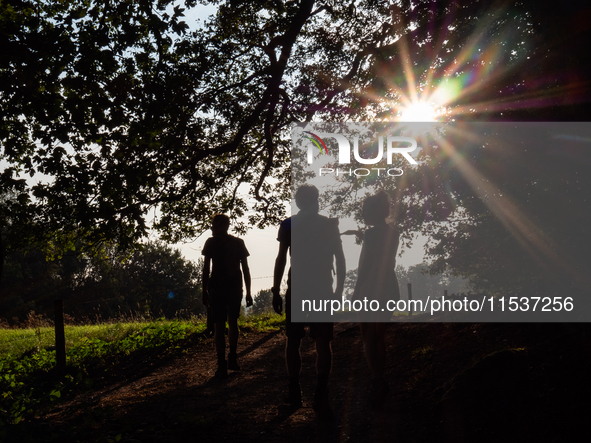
point(419, 112)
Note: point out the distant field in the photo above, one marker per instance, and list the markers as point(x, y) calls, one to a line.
point(16, 342)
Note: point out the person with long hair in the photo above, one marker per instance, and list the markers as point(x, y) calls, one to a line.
point(376, 280)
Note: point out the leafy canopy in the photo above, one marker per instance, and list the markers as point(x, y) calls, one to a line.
point(124, 109)
point(136, 121)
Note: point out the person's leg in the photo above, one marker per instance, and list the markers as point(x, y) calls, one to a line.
point(374, 345)
point(233, 342)
point(293, 359)
point(233, 334)
point(234, 302)
point(210, 328)
point(323, 356)
point(294, 332)
point(380, 350)
point(220, 347)
point(323, 337)
point(370, 347)
point(220, 339)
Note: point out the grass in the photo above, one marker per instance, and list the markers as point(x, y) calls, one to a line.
point(29, 383)
point(17, 342)
point(265, 322)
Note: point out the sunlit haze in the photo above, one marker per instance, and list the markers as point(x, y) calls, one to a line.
point(419, 112)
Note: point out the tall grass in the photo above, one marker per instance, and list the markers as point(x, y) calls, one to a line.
point(18, 342)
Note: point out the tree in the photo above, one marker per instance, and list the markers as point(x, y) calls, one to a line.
point(524, 202)
point(507, 210)
point(160, 281)
point(154, 281)
point(350, 281)
point(263, 302)
point(426, 285)
point(125, 110)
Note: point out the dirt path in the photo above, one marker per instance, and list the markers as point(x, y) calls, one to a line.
point(454, 382)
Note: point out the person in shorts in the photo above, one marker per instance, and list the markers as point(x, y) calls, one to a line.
point(318, 244)
point(225, 255)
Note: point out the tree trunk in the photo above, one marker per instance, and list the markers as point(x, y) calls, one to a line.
point(1, 261)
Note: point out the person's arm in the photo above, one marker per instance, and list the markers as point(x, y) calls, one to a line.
point(205, 280)
point(280, 263)
point(341, 271)
point(246, 272)
point(359, 234)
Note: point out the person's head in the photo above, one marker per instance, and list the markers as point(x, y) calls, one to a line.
point(220, 224)
point(376, 208)
point(306, 197)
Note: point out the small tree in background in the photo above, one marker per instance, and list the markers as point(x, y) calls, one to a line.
point(263, 302)
point(350, 281)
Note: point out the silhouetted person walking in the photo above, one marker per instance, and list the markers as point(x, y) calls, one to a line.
point(319, 243)
point(222, 291)
point(376, 280)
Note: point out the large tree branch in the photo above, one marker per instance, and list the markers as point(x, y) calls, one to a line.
point(385, 52)
point(268, 102)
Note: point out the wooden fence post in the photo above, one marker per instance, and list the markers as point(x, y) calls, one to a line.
point(409, 286)
point(60, 337)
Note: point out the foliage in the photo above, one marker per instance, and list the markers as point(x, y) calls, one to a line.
point(425, 284)
point(154, 280)
point(28, 385)
point(263, 302)
point(124, 110)
point(16, 342)
point(511, 228)
point(265, 322)
point(503, 214)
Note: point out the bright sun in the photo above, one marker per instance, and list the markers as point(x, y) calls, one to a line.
point(418, 112)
